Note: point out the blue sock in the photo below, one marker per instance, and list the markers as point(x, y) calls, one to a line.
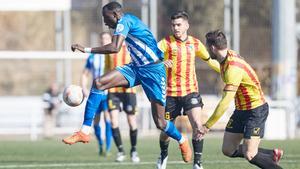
point(172, 131)
point(108, 134)
point(91, 107)
point(97, 129)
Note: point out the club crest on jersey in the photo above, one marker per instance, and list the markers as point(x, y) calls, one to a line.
point(256, 131)
point(229, 124)
point(129, 108)
point(174, 50)
point(120, 28)
point(191, 47)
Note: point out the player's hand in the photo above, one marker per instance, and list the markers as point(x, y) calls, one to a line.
point(203, 131)
point(168, 63)
point(97, 83)
point(78, 47)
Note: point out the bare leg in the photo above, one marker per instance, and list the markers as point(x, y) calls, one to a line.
point(111, 79)
point(169, 128)
point(195, 120)
point(158, 114)
point(231, 142)
point(114, 118)
point(131, 119)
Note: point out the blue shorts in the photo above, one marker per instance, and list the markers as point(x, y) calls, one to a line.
point(152, 77)
point(97, 102)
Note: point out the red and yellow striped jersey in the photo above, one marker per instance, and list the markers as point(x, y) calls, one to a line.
point(181, 78)
point(236, 72)
point(118, 59)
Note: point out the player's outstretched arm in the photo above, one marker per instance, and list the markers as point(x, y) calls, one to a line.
point(214, 64)
point(113, 47)
point(228, 96)
point(75, 47)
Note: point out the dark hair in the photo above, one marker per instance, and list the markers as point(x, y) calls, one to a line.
point(180, 14)
point(112, 6)
point(216, 38)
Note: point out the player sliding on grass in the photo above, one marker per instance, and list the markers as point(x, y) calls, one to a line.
point(146, 69)
point(251, 110)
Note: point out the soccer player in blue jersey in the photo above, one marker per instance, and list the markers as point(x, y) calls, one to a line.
point(97, 99)
point(146, 68)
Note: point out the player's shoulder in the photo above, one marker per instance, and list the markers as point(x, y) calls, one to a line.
point(168, 39)
point(235, 62)
point(194, 40)
point(233, 56)
point(128, 17)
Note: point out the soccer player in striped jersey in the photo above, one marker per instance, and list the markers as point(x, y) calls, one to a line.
point(97, 99)
point(180, 51)
point(146, 68)
point(251, 110)
point(126, 96)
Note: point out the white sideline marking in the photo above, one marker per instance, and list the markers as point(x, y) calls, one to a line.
point(120, 164)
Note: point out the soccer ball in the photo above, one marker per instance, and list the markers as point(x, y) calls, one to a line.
point(73, 95)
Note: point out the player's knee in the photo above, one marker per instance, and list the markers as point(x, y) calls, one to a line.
point(249, 155)
point(114, 123)
point(227, 152)
point(161, 125)
point(164, 137)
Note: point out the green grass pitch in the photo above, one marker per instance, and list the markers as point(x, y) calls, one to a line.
point(53, 154)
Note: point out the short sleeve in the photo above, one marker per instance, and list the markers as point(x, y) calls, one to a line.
point(123, 27)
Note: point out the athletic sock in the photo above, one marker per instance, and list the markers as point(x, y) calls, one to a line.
point(264, 161)
point(133, 139)
point(90, 110)
point(164, 145)
point(173, 132)
point(198, 148)
point(86, 129)
point(266, 151)
point(117, 139)
point(97, 130)
point(108, 135)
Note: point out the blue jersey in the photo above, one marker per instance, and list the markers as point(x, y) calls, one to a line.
point(139, 40)
point(96, 64)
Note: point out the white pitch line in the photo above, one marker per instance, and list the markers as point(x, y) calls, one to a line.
point(121, 164)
